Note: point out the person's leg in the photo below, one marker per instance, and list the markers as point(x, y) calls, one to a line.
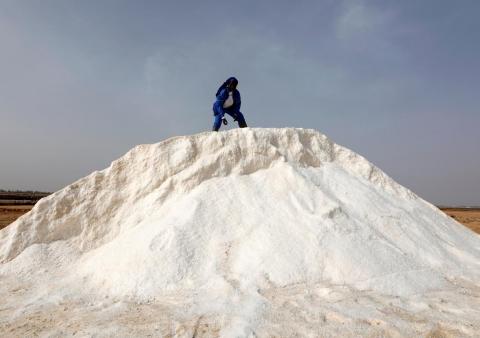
point(217, 122)
point(241, 120)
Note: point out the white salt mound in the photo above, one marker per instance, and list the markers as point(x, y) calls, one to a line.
point(219, 221)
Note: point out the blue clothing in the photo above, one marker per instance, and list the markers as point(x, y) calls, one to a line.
point(221, 97)
point(233, 111)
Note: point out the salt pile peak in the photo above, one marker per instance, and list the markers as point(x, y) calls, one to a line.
point(246, 209)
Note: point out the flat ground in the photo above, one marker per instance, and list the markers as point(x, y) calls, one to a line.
point(9, 213)
point(470, 217)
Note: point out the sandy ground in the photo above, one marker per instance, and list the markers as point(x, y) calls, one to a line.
point(9, 213)
point(470, 217)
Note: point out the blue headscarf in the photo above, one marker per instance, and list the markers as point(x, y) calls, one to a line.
point(224, 85)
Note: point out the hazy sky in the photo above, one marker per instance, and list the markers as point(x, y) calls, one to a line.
point(81, 82)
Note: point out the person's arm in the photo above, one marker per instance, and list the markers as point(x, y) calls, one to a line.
point(221, 97)
point(237, 102)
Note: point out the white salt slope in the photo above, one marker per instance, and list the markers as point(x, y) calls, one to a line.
point(248, 209)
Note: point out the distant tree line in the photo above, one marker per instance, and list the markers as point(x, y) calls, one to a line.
point(21, 197)
point(25, 191)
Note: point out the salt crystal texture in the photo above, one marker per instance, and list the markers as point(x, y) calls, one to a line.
point(236, 228)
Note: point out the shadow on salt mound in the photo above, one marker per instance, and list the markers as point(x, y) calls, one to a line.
point(272, 228)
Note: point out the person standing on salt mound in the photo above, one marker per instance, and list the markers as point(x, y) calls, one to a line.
point(228, 101)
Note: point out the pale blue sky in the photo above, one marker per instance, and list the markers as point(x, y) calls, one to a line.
point(396, 81)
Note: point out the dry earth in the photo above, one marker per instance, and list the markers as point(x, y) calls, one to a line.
point(470, 217)
point(9, 213)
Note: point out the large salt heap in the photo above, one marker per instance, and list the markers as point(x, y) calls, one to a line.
point(240, 233)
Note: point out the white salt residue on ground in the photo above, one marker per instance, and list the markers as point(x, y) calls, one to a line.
point(250, 232)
